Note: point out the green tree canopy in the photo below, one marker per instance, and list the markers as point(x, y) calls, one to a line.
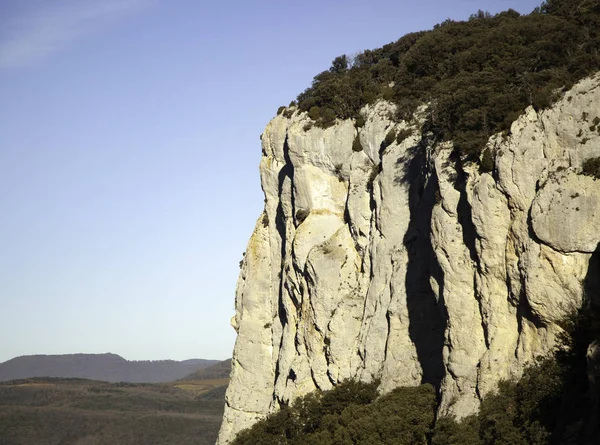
point(477, 76)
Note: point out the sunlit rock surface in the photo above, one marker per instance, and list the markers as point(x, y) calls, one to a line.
point(401, 264)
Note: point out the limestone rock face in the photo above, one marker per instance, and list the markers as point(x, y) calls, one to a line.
point(398, 262)
point(566, 212)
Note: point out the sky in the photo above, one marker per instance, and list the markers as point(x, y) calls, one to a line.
point(129, 152)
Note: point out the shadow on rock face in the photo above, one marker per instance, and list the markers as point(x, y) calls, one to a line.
point(592, 280)
point(427, 316)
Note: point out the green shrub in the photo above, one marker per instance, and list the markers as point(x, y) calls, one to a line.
point(591, 167)
point(368, 97)
point(387, 93)
point(449, 432)
point(314, 113)
point(327, 118)
point(350, 414)
point(281, 109)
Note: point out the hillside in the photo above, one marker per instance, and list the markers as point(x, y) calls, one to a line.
point(219, 370)
point(49, 411)
point(105, 367)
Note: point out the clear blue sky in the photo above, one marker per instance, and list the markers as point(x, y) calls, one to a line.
point(129, 151)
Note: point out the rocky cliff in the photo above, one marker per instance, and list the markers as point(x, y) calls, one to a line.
point(392, 259)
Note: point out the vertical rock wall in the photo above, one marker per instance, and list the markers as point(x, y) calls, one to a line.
point(397, 262)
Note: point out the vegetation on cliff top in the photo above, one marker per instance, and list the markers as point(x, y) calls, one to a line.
point(477, 76)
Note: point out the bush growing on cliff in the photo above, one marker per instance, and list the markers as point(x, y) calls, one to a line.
point(477, 75)
point(347, 415)
point(591, 167)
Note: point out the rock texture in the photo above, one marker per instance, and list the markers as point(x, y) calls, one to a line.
point(400, 263)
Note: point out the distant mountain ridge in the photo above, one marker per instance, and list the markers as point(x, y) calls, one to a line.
point(106, 367)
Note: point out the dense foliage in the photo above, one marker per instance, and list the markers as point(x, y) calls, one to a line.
point(477, 76)
point(347, 415)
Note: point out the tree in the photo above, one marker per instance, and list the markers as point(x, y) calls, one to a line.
point(339, 64)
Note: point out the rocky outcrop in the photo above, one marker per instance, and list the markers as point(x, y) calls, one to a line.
point(397, 261)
